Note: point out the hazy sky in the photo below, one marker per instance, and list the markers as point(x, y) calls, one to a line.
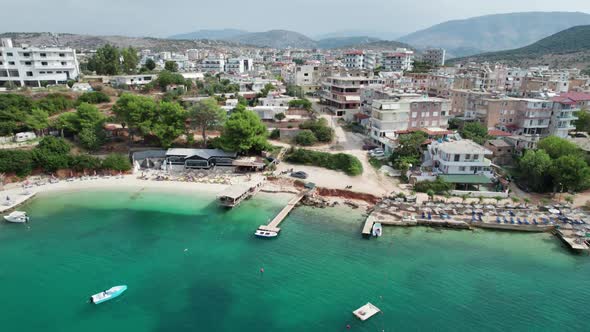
point(311, 17)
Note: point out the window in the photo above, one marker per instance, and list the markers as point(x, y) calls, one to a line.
point(462, 169)
point(26, 55)
point(475, 157)
point(63, 55)
point(467, 156)
point(13, 73)
point(29, 74)
point(9, 54)
point(11, 63)
point(43, 55)
point(457, 157)
point(434, 113)
point(1, 63)
point(49, 72)
point(414, 114)
point(44, 63)
point(41, 72)
point(28, 63)
point(63, 63)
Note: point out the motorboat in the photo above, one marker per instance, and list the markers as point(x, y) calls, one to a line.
point(108, 294)
point(263, 233)
point(17, 217)
point(377, 229)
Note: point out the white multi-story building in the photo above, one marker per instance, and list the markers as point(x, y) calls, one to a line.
point(213, 63)
point(360, 60)
point(239, 65)
point(458, 157)
point(400, 60)
point(434, 56)
point(36, 66)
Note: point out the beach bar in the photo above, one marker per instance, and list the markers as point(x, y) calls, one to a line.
point(234, 195)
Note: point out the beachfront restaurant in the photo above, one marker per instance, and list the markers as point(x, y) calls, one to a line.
point(198, 158)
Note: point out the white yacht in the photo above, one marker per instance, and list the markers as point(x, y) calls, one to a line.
point(17, 217)
point(263, 233)
point(377, 229)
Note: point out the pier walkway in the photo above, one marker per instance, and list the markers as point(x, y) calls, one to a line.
point(273, 226)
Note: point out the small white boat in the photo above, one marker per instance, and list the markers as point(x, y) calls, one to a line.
point(377, 229)
point(17, 217)
point(263, 233)
point(108, 294)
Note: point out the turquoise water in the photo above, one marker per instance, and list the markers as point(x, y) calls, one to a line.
point(191, 266)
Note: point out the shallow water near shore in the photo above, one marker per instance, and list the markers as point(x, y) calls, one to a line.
point(192, 266)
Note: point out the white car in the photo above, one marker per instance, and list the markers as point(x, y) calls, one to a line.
point(376, 151)
point(379, 154)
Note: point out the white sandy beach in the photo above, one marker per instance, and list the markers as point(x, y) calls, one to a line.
point(17, 195)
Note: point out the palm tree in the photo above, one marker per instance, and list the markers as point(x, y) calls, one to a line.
point(526, 200)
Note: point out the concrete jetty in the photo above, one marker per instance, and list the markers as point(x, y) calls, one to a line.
point(273, 226)
point(574, 242)
point(15, 199)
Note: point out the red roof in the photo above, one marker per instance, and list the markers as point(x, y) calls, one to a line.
point(498, 133)
point(353, 52)
point(572, 97)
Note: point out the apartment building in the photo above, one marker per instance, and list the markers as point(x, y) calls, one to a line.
point(213, 64)
point(458, 157)
point(36, 66)
point(434, 56)
point(356, 59)
point(464, 102)
point(565, 107)
point(406, 112)
point(341, 95)
point(440, 84)
point(305, 76)
point(399, 60)
point(481, 77)
point(239, 65)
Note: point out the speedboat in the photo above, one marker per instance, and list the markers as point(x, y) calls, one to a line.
point(377, 229)
point(17, 216)
point(108, 294)
point(263, 233)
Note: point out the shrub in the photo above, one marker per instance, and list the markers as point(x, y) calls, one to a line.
point(275, 134)
point(438, 186)
point(116, 162)
point(320, 129)
point(94, 97)
point(84, 162)
point(306, 138)
point(340, 161)
point(16, 161)
point(54, 103)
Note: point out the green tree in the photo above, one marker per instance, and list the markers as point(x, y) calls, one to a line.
point(475, 131)
point(244, 132)
point(130, 60)
point(116, 162)
point(205, 115)
point(266, 90)
point(7, 128)
point(106, 61)
point(38, 120)
point(51, 154)
point(320, 129)
point(171, 66)
point(150, 64)
point(280, 117)
point(571, 172)
point(583, 122)
point(19, 162)
point(169, 123)
point(305, 138)
point(166, 78)
point(135, 112)
point(409, 149)
point(301, 103)
point(537, 167)
point(557, 147)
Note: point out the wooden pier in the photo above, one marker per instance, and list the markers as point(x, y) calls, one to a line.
point(273, 226)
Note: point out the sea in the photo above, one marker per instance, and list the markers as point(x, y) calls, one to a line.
point(191, 265)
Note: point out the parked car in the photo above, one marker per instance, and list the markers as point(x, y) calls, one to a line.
point(375, 152)
point(369, 146)
point(378, 155)
point(299, 175)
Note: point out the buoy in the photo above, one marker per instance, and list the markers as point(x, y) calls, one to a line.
point(185, 249)
point(261, 270)
point(348, 326)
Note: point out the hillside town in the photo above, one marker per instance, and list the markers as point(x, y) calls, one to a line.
point(403, 120)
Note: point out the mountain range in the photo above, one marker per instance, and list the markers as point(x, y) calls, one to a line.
point(568, 48)
point(494, 32)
